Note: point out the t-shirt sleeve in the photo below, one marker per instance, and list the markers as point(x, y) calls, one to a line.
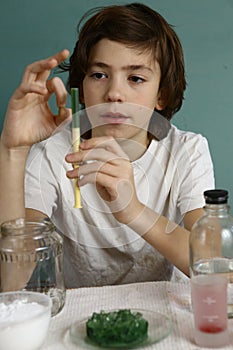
point(196, 175)
point(40, 191)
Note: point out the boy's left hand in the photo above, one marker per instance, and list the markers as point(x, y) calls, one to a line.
point(102, 161)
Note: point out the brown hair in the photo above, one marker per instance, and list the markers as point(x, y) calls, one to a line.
point(137, 26)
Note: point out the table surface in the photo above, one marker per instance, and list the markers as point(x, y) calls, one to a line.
point(169, 298)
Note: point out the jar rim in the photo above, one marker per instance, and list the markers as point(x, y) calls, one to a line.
point(19, 225)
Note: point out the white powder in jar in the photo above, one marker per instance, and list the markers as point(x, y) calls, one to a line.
point(23, 325)
point(19, 310)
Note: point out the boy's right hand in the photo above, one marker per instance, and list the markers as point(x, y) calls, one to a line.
point(29, 118)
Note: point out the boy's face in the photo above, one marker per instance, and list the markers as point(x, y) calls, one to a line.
point(121, 90)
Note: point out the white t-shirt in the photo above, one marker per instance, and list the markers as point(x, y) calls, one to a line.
point(170, 178)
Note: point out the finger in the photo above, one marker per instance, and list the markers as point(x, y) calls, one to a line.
point(98, 167)
point(56, 85)
point(40, 70)
point(47, 63)
point(103, 180)
point(95, 167)
point(63, 117)
point(95, 154)
point(118, 169)
point(120, 191)
point(53, 61)
point(24, 89)
point(104, 142)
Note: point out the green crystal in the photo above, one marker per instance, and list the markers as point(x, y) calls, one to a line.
point(117, 328)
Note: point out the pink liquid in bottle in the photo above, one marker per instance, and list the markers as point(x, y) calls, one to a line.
point(209, 300)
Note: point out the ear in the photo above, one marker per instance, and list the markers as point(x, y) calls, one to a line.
point(159, 105)
point(161, 100)
point(81, 97)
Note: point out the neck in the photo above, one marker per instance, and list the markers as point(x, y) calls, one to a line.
point(133, 149)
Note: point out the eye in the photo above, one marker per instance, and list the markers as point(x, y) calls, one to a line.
point(136, 79)
point(98, 75)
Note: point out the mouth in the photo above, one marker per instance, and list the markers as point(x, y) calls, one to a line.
point(114, 118)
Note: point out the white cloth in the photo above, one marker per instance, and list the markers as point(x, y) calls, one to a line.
point(170, 178)
point(170, 299)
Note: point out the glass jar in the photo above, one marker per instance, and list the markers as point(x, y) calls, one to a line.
point(31, 258)
point(211, 241)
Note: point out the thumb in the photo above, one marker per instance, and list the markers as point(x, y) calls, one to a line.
point(64, 116)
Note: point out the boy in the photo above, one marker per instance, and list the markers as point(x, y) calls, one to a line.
point(141, 192)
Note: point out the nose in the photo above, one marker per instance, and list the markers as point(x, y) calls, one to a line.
point(115, 91)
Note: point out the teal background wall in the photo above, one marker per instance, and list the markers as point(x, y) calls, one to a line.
point(30, 30)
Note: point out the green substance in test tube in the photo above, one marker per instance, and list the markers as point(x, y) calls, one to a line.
point(75, 107)
point(117, 329)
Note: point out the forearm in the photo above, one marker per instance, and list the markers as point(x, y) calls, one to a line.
point(12, 169)
point(171, 240)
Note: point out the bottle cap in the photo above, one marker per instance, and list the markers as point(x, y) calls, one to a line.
point(216, 196)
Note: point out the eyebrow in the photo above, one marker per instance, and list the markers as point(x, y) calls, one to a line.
point(132, 67)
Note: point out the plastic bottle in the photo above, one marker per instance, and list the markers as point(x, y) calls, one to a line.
point(211, 242)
